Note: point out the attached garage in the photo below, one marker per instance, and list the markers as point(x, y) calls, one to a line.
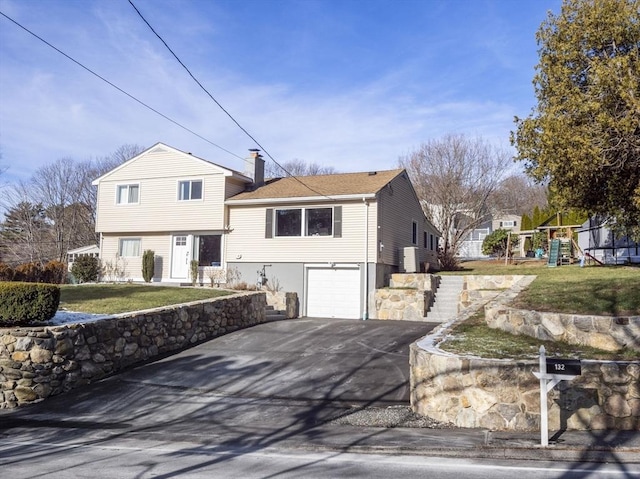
point(333, 292)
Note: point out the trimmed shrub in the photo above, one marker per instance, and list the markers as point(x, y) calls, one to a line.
point(148, 260)
point(28, 272)
point(194, 272)
point(86, 269)
point(6, 272)
point(22, 303)
point(54, 272)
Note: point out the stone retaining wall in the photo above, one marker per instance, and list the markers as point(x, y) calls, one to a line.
point(286, 302)
point(602, 332)
point(402, 304)
point(505, 395)
point(38, 362)
point(409, 297)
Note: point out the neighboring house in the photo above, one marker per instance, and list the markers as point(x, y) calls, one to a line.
point(74, 254)
point(598, 240)
point(333, 239)
point(471, 247)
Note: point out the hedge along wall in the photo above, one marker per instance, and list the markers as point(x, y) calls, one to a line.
point(38, 362)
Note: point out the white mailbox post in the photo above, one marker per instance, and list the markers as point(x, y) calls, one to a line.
point(552, 371)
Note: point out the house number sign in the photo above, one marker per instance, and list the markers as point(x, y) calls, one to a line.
point(552, 371)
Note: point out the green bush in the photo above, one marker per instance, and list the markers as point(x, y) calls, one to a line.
point(495, 243)
point(6, 272)
point(148, 259)
point(194, 271)
point(22, 303)
point(86, 269)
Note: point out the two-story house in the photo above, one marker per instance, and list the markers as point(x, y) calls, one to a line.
point(333, 239)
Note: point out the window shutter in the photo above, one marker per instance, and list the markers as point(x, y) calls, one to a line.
point(337, 221)
point(268, 232)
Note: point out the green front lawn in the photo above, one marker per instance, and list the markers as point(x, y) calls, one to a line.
point(122, 298)
point(598, 290)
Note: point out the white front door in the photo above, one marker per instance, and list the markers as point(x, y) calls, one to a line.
point(180, 257)
point(333, 292)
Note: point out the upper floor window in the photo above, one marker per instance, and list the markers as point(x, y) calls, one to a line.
point(128, 194)
point(319, 221)
point(289, 222)
point(507, 224)
point(305, 222)
point(190, 190)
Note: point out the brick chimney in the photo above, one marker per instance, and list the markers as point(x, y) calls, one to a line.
point(255, 167)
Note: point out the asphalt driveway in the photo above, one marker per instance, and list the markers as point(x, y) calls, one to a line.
point(261, 386)
point(349, 361)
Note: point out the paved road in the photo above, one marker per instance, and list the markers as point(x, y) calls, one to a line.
point(119, 459)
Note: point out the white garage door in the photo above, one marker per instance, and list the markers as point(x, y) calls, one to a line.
point(333, 293)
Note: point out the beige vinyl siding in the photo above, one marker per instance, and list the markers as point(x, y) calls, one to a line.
point(159, 243)
point(158, 209)
point(398, 209)
point(247, 242)
point(234, 187)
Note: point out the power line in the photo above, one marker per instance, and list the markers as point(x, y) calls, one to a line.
point(117, 87)
point(218, 103)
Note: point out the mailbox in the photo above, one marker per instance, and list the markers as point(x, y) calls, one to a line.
point(564, 367)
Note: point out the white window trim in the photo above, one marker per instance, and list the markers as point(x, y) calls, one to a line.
point(120, 240)
point(303, 221)
point(128, 184)
point(190, 180)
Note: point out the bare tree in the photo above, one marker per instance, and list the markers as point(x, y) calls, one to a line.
point(91, 169)
point(296, 168)
point(454, 178)
point(518, 194)
point(56, 209)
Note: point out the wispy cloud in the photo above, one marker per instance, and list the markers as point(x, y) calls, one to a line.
point(380, 98)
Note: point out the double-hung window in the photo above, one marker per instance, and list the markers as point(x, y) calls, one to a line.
point(304, 222)
point(129, 247)
point(128, 194)
point(190, 190)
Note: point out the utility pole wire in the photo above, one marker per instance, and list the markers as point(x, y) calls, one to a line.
point(218, 103)
point(117, 87)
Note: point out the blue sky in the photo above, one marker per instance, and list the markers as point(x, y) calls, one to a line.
point(352, 84)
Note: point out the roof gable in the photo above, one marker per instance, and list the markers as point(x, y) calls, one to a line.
point(319, 186)
point(163, 148)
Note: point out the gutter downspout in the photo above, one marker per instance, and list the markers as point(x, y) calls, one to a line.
point(365, 287)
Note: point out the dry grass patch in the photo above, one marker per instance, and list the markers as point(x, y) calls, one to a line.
point(474, 337)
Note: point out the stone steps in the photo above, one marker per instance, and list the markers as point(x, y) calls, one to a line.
point(273, 314)
point(447, 299)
